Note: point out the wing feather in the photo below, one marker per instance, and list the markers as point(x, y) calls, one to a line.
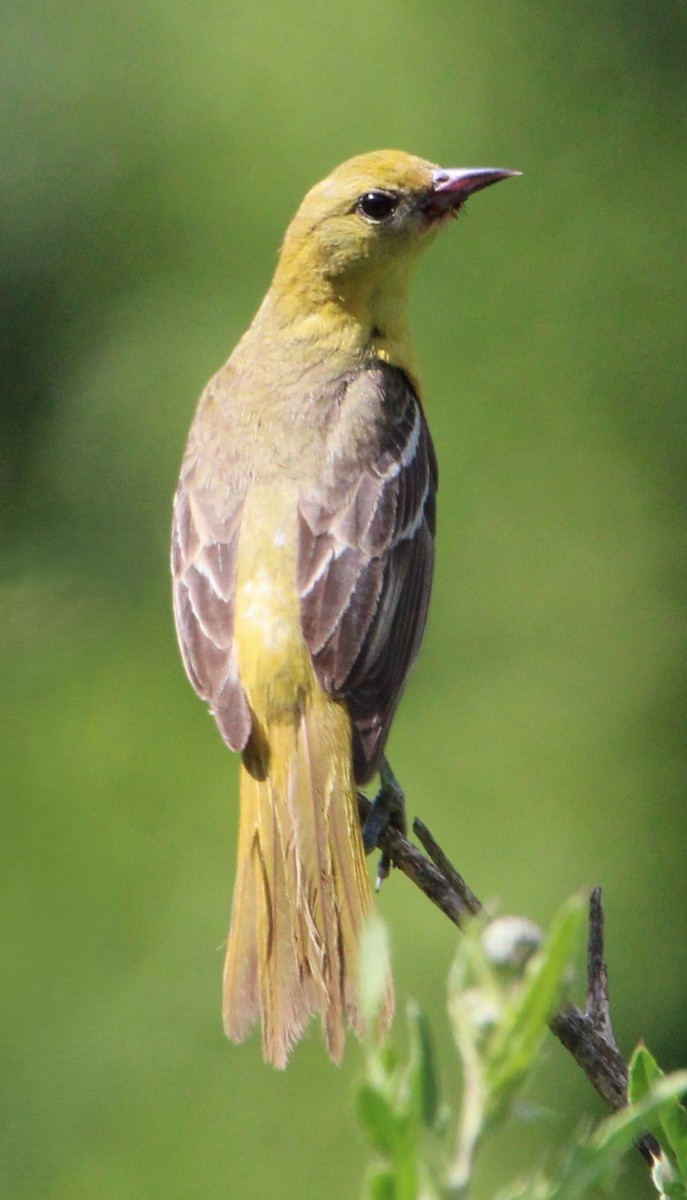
point(365, 560)
point(204, 562)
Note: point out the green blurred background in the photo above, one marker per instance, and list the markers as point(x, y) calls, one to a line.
point(152, 155)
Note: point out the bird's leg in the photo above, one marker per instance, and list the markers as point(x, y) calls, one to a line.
point(387, 808)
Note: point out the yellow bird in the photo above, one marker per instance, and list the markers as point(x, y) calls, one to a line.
point(303, 546)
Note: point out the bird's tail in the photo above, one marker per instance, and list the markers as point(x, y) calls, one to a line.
point(301, 891)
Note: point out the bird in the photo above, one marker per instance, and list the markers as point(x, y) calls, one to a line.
point(302, 562)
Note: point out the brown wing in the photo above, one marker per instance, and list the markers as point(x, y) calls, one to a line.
point(204, 556)
point(365, 561)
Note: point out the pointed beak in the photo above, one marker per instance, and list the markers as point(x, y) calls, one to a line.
point(451, 188)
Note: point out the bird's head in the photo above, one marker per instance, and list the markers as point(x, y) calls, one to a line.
point(341, 282)
point(363, 227)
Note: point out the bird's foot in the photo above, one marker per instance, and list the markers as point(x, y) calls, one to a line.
point(387, 808)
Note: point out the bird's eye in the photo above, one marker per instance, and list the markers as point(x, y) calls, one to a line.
point(377, 206)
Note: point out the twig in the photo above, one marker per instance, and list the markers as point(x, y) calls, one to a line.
point(454, 903)
point(587, 1036)
point(598, 1009)
point(446, 867)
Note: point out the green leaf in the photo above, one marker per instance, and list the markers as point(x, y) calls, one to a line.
point(522, 1027)
point(392, 1135)
point(644, 1074)
point(378, 1119)
point(422, 1080)
point(643, 1071)
point(593, 1164)
point(382, 1185)
point(629, 1123)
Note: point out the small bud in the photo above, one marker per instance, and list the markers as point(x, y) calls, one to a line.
point(510, 942)
point(663, 1174)
point(481, 1009)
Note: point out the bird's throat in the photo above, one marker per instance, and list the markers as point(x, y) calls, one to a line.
point(352, 324)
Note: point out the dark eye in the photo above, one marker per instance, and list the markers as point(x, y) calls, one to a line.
point(377, 206)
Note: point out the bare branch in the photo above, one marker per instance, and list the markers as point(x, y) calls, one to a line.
point(587, 1036)
point(423, 873)
point(446, 867)
point(597, 973)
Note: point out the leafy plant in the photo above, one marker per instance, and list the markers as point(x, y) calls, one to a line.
point(506, 982)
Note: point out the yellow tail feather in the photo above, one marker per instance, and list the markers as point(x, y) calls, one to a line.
point(301, 892)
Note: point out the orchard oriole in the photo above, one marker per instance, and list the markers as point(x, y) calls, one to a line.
point(303, 547)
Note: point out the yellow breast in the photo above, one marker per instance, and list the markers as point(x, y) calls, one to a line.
point(274, 664)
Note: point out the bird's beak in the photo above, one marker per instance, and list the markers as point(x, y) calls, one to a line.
point(451, 188)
